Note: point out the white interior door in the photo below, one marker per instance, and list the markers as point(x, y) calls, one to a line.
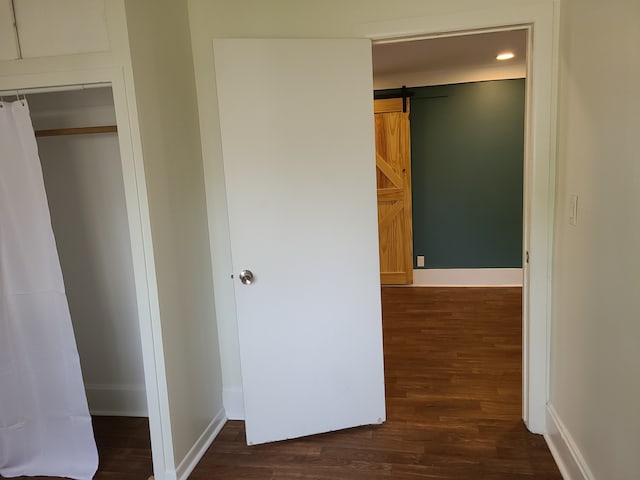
point(299, 155)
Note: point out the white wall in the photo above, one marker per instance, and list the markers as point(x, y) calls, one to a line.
point(85, 190)
point(166, 105)
point(273, 19)
point(595, 354)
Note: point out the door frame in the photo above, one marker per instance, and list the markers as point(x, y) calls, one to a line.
point(539, 167)
point(139, 222)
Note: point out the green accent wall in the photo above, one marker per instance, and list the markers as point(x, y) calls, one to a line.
point(467, 144)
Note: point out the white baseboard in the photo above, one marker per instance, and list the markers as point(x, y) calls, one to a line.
point(468, 277)
point(564, 450)
point(199, 448)
point(117, 400)
point(233, 401)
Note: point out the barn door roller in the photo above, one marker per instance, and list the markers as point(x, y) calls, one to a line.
point(403, 93)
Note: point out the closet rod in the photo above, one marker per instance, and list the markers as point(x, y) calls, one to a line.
point(76, 131)
point(62, 88)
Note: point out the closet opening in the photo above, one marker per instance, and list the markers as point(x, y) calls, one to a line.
point(81, 165)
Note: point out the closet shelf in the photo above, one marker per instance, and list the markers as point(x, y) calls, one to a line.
point(76, 131)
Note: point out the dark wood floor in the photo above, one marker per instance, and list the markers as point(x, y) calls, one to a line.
point(124, 449)
point(453, 380)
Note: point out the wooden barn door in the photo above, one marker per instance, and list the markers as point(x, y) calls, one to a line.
point(393, 173)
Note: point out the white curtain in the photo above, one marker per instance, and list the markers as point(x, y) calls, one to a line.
point(45, 426)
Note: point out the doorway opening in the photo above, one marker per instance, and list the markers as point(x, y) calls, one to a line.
point(468, 114)
point(232, 86)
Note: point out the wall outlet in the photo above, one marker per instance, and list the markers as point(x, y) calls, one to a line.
point(420, 260)
point(573, 209)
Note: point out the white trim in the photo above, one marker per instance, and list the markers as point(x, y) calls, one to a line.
point(541, 20)
point(199, 448)
point(150, 326)
point(399, 38)
point(467, 277)
point(117, 400)
point(564, 449)
point(466, 22)
point(68, 88)
point(233, 401)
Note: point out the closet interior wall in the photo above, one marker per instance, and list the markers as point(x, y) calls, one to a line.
point(85, 191)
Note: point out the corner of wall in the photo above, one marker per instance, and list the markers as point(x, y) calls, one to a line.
point(199, 448)
point(233, 403)
point(564, 449)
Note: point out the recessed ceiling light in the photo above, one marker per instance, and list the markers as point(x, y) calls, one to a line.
point(505, 56)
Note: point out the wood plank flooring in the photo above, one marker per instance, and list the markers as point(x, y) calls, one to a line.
point(124, 448)
point(453, 383)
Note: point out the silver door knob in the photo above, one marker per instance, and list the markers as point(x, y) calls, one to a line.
point(246, 277)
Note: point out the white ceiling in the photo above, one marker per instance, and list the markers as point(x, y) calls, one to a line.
point(439, 54)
